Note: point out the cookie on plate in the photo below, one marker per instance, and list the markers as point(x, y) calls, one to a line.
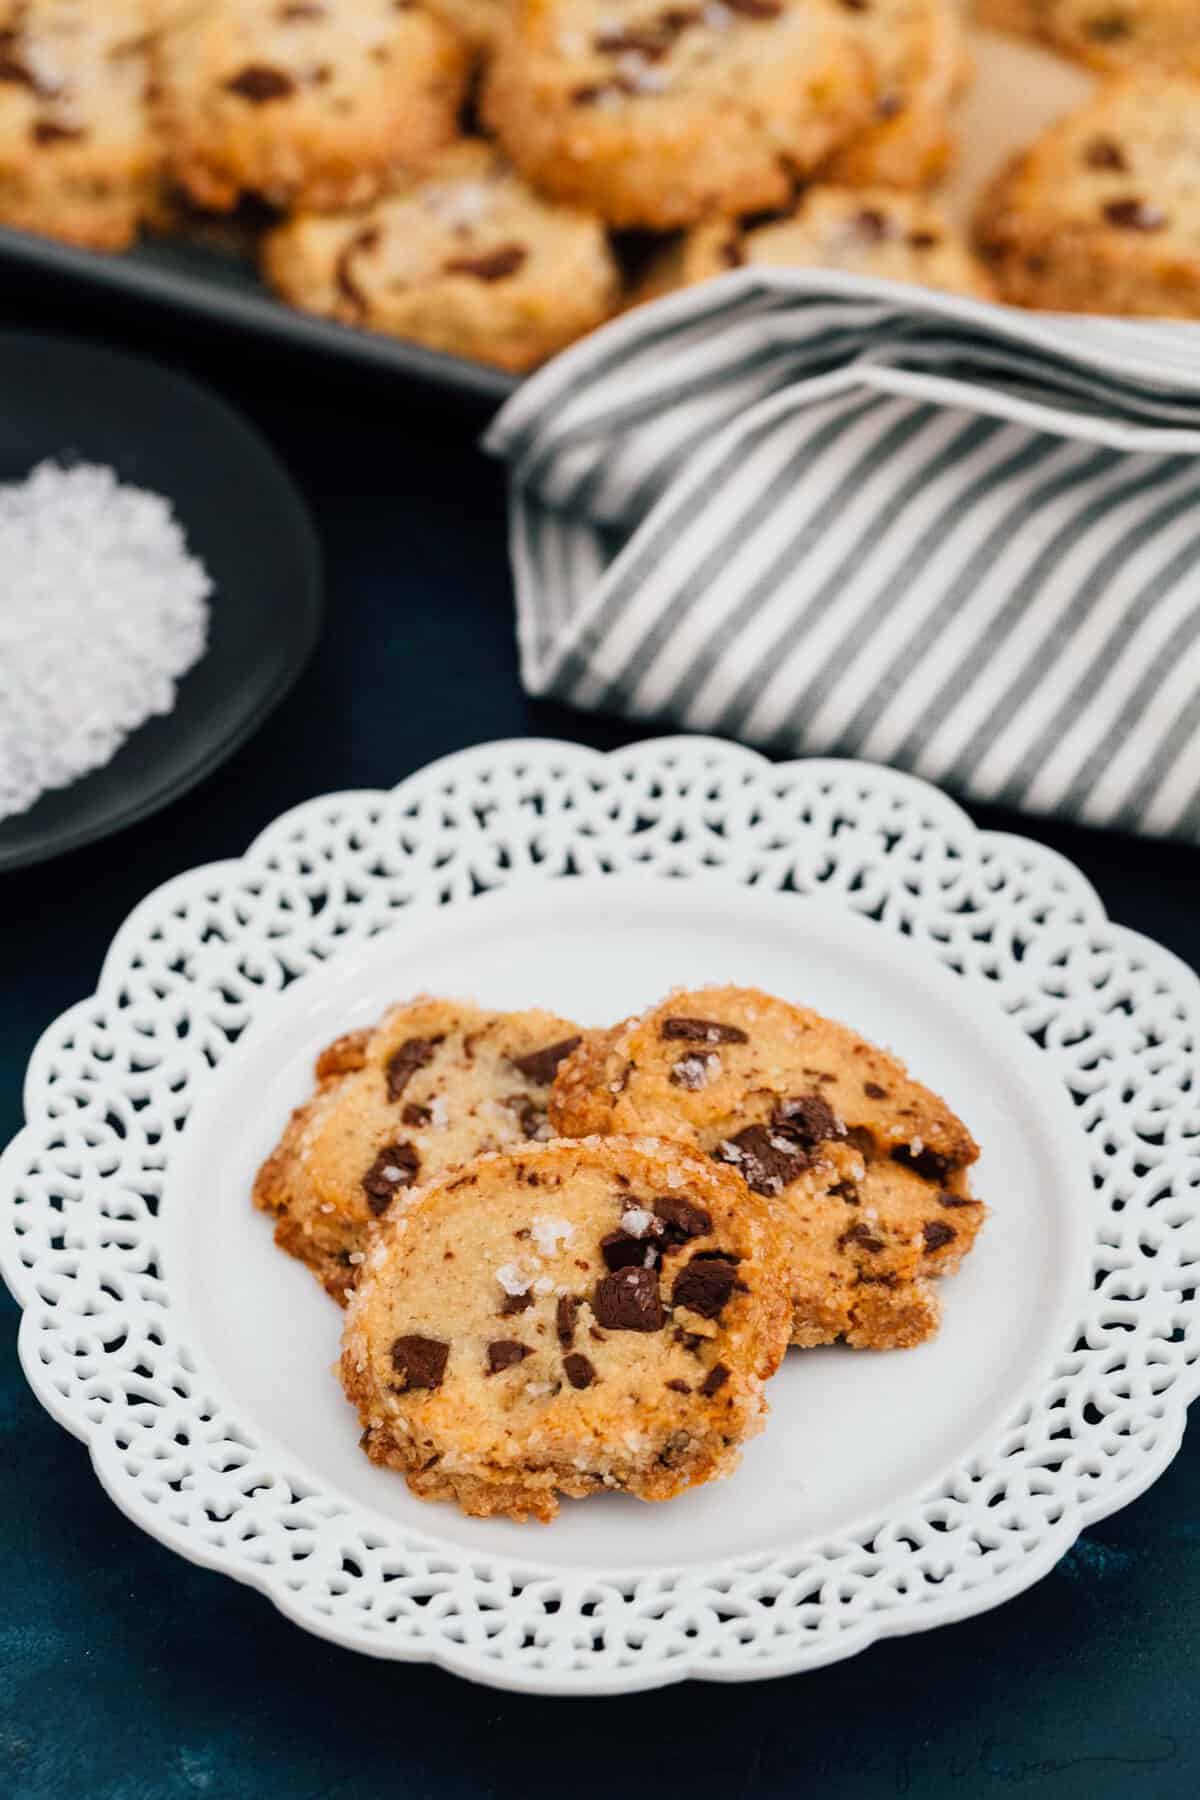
point(567, 1319)
point(865, 1171)
point(432, 1085)
point(307, 103)
point(1102, 213)
point(919, 51)
point(653, 114)
point(1127, 34)
point(871, 231)
point(464, 258)
point(79, 159)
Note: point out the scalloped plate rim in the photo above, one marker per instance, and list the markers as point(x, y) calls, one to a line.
point(933, 1612)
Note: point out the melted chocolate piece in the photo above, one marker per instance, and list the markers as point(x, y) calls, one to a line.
point(701, 1031)
point(259, 82)
point(515, 1303)
point(681, 1220)
point(629, 1300)
point(565, 1315)
point(706, 1284)
point(414, 1053)
point(621, 1250)
point(862, 1235)
point(540, 1066)
point(932, 1164)
point(1135, 215)
point(490, 265)
point(809, 1119)
point(420, 1362)
point(764, 1158)
point(380, 1187)
point(580, 1372)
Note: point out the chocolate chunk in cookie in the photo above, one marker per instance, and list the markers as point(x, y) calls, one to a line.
point(420, 1362)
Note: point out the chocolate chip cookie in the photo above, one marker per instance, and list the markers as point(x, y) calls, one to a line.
point(1120, 35)
point(567, 1319)
point(871, 231)
point(432, 1085)
point(464, 258)
point(1102, 213)
point(657, 114)
point(305, 102)
point(1021, 18)
point(864, 1170)
point(79, 159)
point(918, 49)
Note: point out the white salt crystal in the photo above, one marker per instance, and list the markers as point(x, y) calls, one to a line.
point(102, 609)
point(459, 203)
point(512, 1280)
point(637, 1221)
point(548, 1233)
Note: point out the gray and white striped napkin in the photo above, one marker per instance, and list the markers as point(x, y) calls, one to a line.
point(824, 513)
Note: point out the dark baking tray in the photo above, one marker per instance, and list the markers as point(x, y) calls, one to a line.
point(212, 285)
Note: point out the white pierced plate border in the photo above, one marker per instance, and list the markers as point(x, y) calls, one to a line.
point(112, 1083)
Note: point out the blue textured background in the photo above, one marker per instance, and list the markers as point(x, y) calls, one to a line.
point(126, 1674)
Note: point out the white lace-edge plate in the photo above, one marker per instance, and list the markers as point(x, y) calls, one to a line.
point(889, 1493)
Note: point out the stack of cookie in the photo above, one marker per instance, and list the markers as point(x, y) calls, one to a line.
point(572, 1260)
point(467, 173)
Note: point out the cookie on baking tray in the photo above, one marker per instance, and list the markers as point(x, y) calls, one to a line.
point(919, 53)
point(567, 1319)
point(864, 1170)
point(870, 231)
point(305, 102)
point(1127, 34)
point(78, 156)
point(1102, 213)
point(1112, 35)
point(432, 1085)
point(656, 114)
point(465, 258)
point(1022, 18)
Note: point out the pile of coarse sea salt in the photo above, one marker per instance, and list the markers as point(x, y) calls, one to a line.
point(102, 609)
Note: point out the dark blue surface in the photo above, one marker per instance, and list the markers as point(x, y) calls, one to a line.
point(126, 1674)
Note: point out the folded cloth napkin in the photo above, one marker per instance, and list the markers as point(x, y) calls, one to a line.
point(830, 514)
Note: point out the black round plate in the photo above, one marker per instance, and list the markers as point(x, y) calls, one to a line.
point(242, 517)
